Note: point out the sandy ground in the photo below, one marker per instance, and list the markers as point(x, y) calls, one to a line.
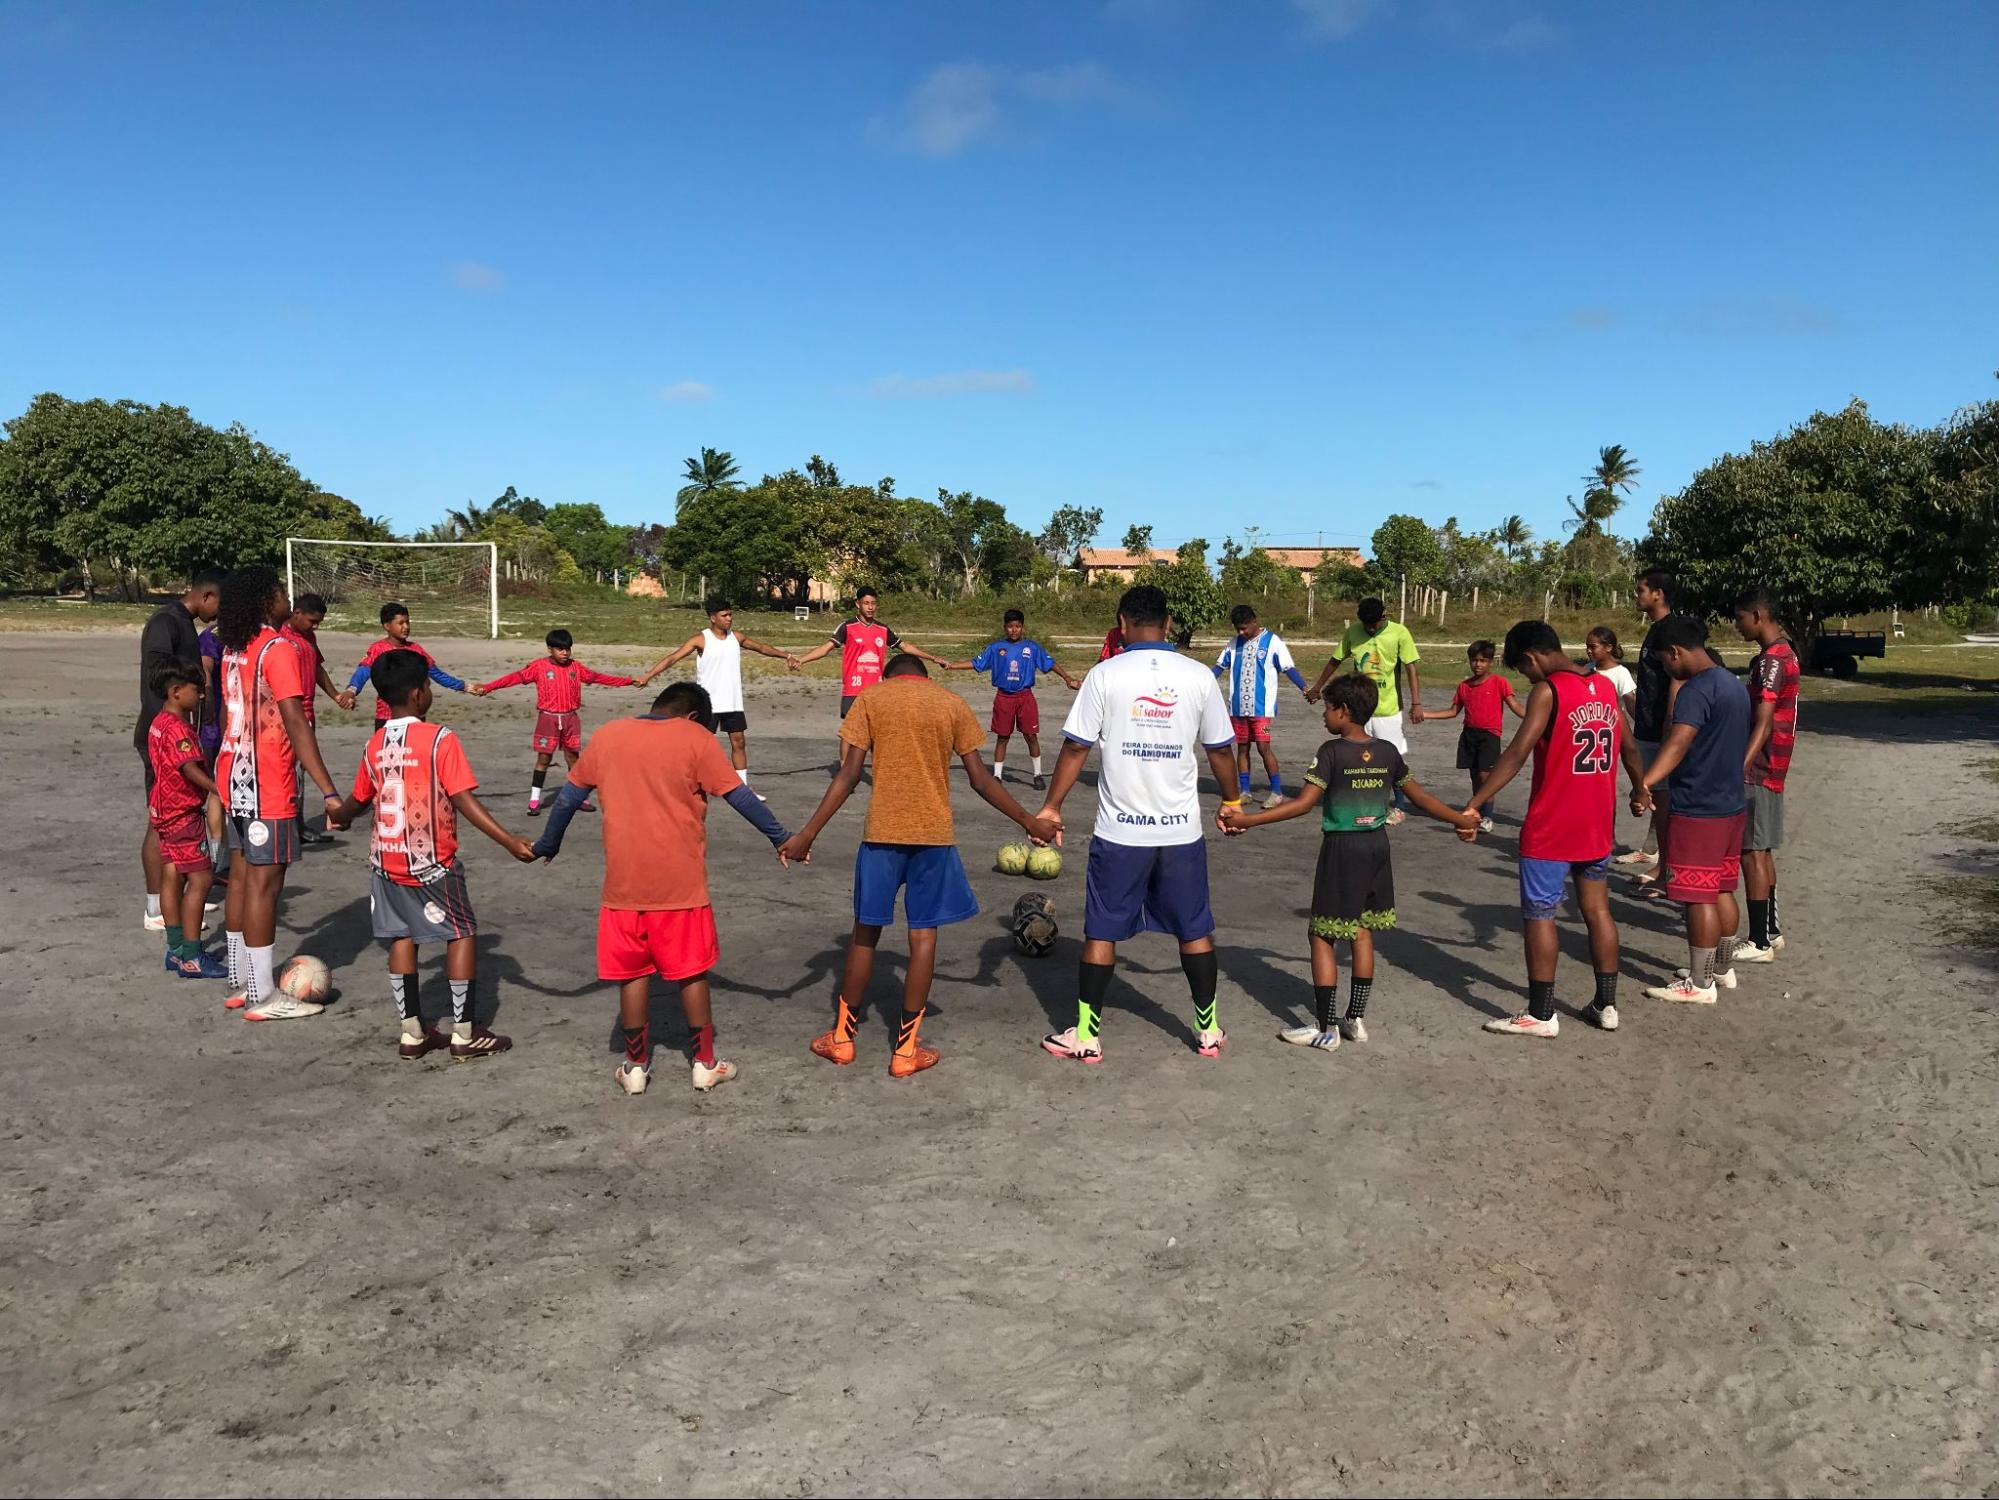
point(1748, 1249)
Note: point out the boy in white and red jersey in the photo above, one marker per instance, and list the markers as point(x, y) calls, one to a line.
point(558, 680)
point(865, 644)
point(396, 637)
point(1574, 729)
point(419, 780)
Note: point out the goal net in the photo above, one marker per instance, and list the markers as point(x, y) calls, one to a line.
point(452, 588)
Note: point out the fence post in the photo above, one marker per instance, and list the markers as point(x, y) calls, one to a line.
point(1443, 602)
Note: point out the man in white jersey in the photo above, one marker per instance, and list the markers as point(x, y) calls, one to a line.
point(720, 670)
point(1154, 712)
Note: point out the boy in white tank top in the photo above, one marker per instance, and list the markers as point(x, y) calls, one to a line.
point(720, 670)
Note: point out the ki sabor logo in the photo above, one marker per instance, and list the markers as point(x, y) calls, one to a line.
point(1155, 707)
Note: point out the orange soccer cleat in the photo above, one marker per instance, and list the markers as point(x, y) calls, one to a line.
point(915, 1060)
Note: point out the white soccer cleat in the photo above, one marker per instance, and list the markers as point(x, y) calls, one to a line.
point(1636, 857)
point(1485, 825)
point(633, 1080)
point(705, 1078)
point(1523, 1025)
point(1751, 953)
point(155, 924)
point(1273, 799)
point(1724, 979)
point(1776, 942)
point(1682, 991)
point(282, 1007)
point(1310, 1036)
point(1354, 1030)
point(1602, 1017)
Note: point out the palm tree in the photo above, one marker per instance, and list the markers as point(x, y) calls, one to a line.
point(1513, 534)
point(468, 522)
point(715, 470)
point(1602, 492)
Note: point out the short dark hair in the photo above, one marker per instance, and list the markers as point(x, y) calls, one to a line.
point(1480, 648)
point(714, 604)
point(206, 578)
point(1371, 610)
point(397, 674)
point(865, 591)
point(902, 664)
point(1356, 694)
point(308, 604)
point(1529, 637)
point(1683, 631)
point(392, 609)
point(171, 674)
point(686, 700)
point(1659, 581)
point(558, 639)
point(1758, 598)
point(1715, 657)
point(1241, 615)
point(1609, 637)
point(1144, 605)
point(1011, 615)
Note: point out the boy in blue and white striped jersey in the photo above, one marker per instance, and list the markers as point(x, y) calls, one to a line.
point(1249, 667)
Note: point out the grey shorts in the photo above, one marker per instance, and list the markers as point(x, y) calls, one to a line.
point(440, 912)
point(264, 841)
point(1764, 828)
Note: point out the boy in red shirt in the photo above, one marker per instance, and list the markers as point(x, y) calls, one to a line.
point(1483, 699)
point(266, 738)
point(558, 699)
point(419, 780)
point(656, 775)
point(865, 645)
point(1774, 678)
point(302, 630)
point(176, 806)
point(396, 637)
point(1574, 729)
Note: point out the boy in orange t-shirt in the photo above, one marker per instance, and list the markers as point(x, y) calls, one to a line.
point(912, 727)
point(654, 775)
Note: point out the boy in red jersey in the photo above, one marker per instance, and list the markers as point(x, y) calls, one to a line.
point(865, 644)
point(1483, 699)
point(558, 680)
point(656, 775)
point(302, 630)
point(419, 780)
point(1574, 729)
point(396, 637)
point(266, 738)
point(1774, 678)
point(176, 806)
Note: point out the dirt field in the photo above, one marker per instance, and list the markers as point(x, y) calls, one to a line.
point(1745, 1250)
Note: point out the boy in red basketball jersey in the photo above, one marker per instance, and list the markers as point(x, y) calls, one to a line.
point(266, 738)
point(1574, 729)
point(865, 644)
point(558, 680)
point(418, 779)
point(177, 805)
point(1774, 678)
point(396, 637)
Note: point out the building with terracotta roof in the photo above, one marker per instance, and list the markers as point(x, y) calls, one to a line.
point(1115, 565)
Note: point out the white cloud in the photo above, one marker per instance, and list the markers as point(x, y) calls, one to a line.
point(685, 390)
point(958, 105)
point(1336, 20)
point(477, 276)
point(956, 383)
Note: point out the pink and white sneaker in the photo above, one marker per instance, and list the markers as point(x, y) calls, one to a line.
point(1210, 1043)
point(1068, 1044)
point(1682, 991)
point(1523, 1025)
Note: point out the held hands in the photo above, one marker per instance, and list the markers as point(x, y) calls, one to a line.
point(1047, 827)
point(1641, 801)
point(795, 850)
point(522, 850)
point(346, 698)
point(336, 813)
point(1230, 819)
point(1415, 713)
point(475, 690)
point(1466, 824)
point(1312, 694)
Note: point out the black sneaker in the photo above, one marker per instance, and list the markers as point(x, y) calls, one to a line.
point(1041, 783)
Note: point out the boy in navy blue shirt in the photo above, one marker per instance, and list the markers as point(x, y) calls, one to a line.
point(1014, 663)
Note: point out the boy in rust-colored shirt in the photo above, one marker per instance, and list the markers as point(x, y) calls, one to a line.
point(913, 728)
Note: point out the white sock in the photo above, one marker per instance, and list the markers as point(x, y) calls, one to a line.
point(153, 905)
point(534, 796)
point(234, 943)
point(1037, 765)
point(261, 986)
point(999, 770)
point(745, 775)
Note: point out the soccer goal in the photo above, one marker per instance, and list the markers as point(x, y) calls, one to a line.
point(452, 588)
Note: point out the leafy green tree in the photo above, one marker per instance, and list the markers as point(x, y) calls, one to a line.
point(1194, 550)
point(714, 471)
point(1068, 531)
point(749, 543)
point(1137, 540)
point(582, 531)
point(1956, 523)
point(1006, 555)
point(1405, 548)
point(970, 520)
point(1191, 594)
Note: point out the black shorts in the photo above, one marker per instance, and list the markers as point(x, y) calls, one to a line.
point(1478, 750)
point(738, 722)
point(846, 704)
point(1355, 885)
point(146, 765)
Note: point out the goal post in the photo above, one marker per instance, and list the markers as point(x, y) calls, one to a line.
point(453, 588)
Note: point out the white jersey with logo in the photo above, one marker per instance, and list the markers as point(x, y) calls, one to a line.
point(719, 669)
point(1251, 669)
point(1153, 712)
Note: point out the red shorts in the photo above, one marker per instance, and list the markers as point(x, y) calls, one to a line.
point(1016, 712)
point(553, 732)
point(671, 944)
point(186, 848)
point(1704, 856)
point(1248, 731)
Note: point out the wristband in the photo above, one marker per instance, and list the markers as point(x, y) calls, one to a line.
point(1232, 802)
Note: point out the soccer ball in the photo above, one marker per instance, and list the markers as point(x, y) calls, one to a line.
point(1044, 863)
point(1013, 859)
point(306, 978)
point(1034, 924)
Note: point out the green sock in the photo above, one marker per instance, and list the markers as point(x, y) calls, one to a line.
point(190, 947)
point(173, 937)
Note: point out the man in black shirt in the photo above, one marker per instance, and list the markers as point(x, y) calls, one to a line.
point(172, 634)
point(1652, 712)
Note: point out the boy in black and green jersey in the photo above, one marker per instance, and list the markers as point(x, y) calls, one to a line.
point(1353, 783)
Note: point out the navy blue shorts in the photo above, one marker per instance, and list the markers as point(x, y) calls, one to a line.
point(1130, 890)
point(1544, 881)
point(931, 877)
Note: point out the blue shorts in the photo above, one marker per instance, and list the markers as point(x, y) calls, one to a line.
point(1542, 882)
point(1130, 890)
point(930, 876)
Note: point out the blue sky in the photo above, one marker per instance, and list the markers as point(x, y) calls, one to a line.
point(1294, 264)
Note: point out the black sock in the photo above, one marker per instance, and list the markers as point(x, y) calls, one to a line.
point(540, 778)
point(1325, 999)
point(1201, 970)
point(1093, 982)
point(1358, 989)
point(405, 987)
point(1759, 922)
point(1776, 924)
point(1541, 999)
point(638, 1046)
point(1606, 989)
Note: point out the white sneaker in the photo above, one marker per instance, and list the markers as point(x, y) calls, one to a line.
point(212, 903)
point(1750, 953)
point(1602, 1017)
point(1636, 857)
point(1485, 825)
point(1354, 1030)
point(1682, 991)
point(1310, 1036)
point(1776, 942)
point(1210, 1043)
point(1065, 1044)
point(1396, 816)
point(705, 1078)
point(1273, 798)
point(1523, 1025)
point(633, 1080)
point(282, 1007)
point(156, 924)
point(1724, 979)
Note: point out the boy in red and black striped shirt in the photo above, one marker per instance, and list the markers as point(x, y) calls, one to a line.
point(558, 680)
point(418, 779)
point(176, 804)
point(1773, 682)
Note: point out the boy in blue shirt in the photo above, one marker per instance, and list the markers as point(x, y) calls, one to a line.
point(1014, 663)
point(1248, 668)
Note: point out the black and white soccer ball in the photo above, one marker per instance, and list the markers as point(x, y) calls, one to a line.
point(1034, 926)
